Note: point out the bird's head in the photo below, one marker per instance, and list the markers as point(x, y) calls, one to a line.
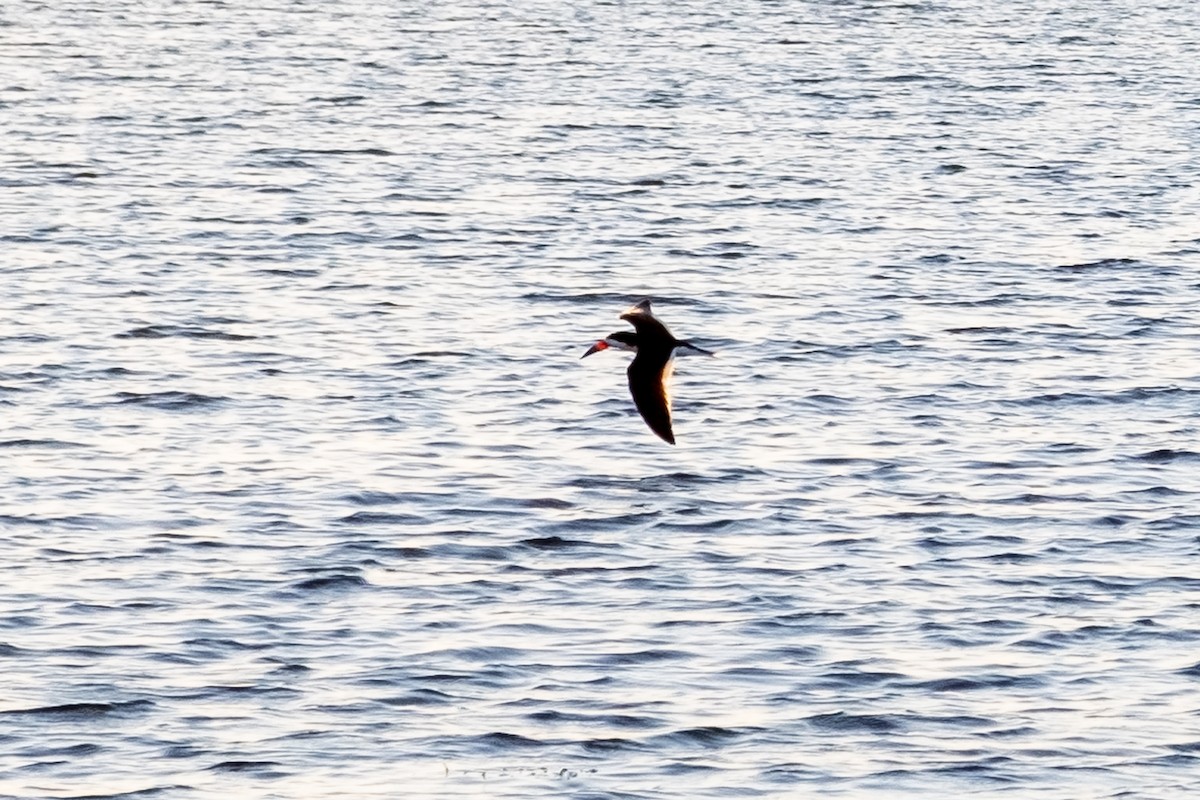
point(621, 340)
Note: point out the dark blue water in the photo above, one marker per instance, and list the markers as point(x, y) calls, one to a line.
point(306, 492)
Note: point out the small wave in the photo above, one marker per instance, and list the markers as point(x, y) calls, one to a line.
point(374, 498)
point(851, 678)
point(379, 518)
point(377, 550)
point(791, 773)
point(483, 654)
point(291, 669)
point(471, 552)
point(327, 583)
point(1102, 264)
point(556, 543)
point(546, 502)
point(645, 657)
point(975, 684)
point(982, 768)
point(420, 697)
point(364, 151)
point(687, 768)
point(69, 750)
point(82, 710)
point(991, 330)
point(841, 461)
point(222, 646)
point(339, 100)
point(699, 527)
point(610, 745)
point(841, 721)
point(1179, 522)
point(1032, 498)
point(906, 77)
point(1157, 491)
point(170, 400)
point(41, 444)
point(707, 736)
point(505, 741)
point(1136, 395)
point(247, 766)
point(1167, 456)
point(623, 721)
point(616, 522)
point(605, 299)
point(153, 791)
point(83, 522)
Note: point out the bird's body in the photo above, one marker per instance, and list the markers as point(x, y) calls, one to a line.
point(650, 371)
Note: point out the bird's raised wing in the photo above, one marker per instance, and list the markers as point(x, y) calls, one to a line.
point(646, 324)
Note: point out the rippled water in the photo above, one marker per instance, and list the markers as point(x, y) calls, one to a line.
point(306, 492)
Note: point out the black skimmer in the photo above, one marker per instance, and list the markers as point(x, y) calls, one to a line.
point(650, 371)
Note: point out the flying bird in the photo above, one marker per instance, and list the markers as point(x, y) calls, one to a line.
point(650, 371)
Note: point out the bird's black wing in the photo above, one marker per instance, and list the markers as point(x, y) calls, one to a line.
point(646, 324)
point(648, 379)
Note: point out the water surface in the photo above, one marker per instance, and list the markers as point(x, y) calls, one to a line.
point(306, 492)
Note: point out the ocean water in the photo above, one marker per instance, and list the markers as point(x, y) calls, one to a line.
point(306, 492)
